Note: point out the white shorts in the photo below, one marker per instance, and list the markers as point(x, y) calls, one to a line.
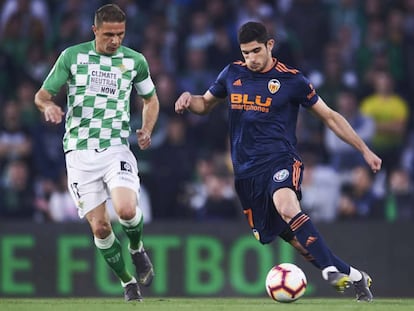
point(92, 174)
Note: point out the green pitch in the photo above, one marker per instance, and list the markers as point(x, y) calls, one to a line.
point(204, 304)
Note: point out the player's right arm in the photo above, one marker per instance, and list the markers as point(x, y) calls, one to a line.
point(203, 104)
point(52, 112)
point(56, 78)
point(198, 104)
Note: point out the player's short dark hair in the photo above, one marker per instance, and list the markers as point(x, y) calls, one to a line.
point(253, 31)
point(109, 13)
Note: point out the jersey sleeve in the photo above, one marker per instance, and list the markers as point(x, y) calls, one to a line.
point(58, 75)
point(218, 88)
point(305, 92)
point(143, 83)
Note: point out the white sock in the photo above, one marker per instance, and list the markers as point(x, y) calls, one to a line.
point(140, 248)
point(133, 281)
point(132, 222)
point(328, 269)
point(105, 243)
point(355, 275)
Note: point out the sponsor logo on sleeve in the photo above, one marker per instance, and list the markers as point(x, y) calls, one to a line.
point(126, 167)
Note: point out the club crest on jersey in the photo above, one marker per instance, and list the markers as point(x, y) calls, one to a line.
point(122, 67)
point(273, 86)
point(281, 175)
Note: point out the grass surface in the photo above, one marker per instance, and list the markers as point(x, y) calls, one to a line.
point(203, 304)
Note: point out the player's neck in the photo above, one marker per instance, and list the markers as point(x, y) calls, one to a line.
point(270, 65)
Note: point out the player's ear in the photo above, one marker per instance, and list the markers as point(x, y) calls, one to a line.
point(94, 29)
point(270, 44)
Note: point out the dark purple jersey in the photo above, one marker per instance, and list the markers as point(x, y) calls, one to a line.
point(263, 111)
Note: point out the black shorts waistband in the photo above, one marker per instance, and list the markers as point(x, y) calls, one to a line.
point(96, 150)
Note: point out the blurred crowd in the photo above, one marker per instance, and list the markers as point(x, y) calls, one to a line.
point(357, 53)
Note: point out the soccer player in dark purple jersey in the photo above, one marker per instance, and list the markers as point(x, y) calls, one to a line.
point(264, 96)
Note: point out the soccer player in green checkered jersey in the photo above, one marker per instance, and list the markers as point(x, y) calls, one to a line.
point(100, 75)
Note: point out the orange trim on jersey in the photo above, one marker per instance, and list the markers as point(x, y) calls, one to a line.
point(282, 67)
point(310, 240)
point(239, 62)
point(311, 94)
point(299, 222)
point(249, 215)
point(296, 174)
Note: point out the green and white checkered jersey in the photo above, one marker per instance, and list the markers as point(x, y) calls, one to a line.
point(99, 88)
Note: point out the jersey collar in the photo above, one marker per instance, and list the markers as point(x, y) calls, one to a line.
point(94, 52)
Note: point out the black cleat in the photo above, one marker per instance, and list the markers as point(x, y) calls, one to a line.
point(132, 292)
point(144, 268)
point(339, 281)
point(362, 290)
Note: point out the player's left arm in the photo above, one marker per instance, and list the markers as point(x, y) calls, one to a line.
point(341, 127)
point(150, 112)
point(146, 90)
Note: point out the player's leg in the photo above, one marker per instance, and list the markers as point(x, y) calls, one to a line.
point(132, 222)
point(288, 207)
point(111, 250)
point(360, 279)
point(338, 263)
point(306, 234)
point(123, 182)
point(258, 208)
point(85, 171)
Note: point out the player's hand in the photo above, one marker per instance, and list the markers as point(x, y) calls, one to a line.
point(144, 139)
point(53, 113)
point(373, 161)
point(183, 102)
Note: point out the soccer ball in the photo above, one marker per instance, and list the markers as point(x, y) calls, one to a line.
point(286, 282)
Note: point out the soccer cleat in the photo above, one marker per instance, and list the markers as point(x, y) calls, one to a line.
point(339, 281)
point(132, 292)
point(144, 268)
point(362, 290)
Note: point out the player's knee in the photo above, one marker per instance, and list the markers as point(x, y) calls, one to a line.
point(102, 230)
point(286, 203)
point(286, 212)
point(127, 212)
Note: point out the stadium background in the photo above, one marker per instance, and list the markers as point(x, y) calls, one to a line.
point(342, 46)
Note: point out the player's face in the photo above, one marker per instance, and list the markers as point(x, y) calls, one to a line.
point(258, 56)
point(108, 37)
